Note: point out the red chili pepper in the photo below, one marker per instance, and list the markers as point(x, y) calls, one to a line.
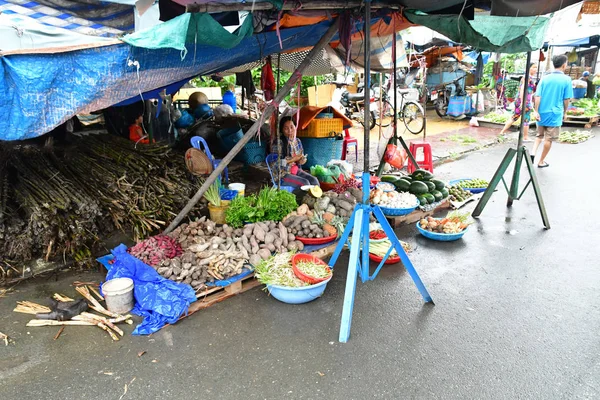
point(377, 235)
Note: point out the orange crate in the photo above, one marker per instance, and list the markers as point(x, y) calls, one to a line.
point(322, 128)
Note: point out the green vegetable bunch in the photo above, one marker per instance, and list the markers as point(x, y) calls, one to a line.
point(269, 204)
point(574, 137)
point(500, 118)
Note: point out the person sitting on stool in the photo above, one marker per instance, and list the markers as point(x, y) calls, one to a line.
point(293, 175)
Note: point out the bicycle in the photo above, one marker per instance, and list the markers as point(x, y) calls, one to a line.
point(411, 112)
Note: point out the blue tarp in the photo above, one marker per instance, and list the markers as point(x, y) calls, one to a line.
point(41, 91)
point(159, 300)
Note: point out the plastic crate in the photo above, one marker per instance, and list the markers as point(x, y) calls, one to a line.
point(322, 128)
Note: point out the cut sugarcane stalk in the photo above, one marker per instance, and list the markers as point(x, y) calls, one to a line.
point(91, 288)
point(103, 320)
point(51, 322)
point(27, 307)
point(61, 297)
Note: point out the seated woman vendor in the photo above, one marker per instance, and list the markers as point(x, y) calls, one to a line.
point(293, 175)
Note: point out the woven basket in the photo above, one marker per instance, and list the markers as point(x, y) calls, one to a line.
point(322, 128)
point(197, 162)
point(254, 153)
point(321, 151)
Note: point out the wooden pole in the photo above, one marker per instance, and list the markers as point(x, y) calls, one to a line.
point(307, 5)
point(315, 51)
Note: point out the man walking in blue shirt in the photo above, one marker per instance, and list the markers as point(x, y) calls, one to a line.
point(550, 102)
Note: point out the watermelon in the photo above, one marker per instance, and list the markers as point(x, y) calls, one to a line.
point(418, 188)
point(430, 186)
point(422, 175)
point(429, 197)
point(438, 195)
point(439, 185)
point(402, 185)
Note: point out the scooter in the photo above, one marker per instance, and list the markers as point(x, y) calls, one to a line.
point(353, 104)
point(440, 95)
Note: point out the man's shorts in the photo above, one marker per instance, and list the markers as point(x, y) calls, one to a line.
point(549, 133)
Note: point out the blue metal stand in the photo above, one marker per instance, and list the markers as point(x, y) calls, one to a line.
point(359, 256)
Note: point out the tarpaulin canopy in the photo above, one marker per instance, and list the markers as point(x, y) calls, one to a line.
point(201, 29)
point(487, 33)
point(41, 91)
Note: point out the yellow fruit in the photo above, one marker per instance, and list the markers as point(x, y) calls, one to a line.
point(316, 191)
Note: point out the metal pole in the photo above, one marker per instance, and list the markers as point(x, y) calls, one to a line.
point(514, 187)
point(367, 96)
point(395, 83)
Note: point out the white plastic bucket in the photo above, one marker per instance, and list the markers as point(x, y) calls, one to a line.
point(118, 294)
point(240, 188)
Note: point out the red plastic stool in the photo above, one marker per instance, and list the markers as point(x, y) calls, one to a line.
point(349, 141)
point(426, 162)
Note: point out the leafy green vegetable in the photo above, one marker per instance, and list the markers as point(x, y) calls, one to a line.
point(499, 118)
point(269, 204)
point(574, 137)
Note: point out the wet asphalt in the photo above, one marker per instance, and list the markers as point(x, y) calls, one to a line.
point(516, 316)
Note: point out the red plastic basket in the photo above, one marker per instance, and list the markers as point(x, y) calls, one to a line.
point(390, 260)
point(317, 240)
point(309, 258)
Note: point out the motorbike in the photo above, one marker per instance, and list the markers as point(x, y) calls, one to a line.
point(440, 95)
point(353, 105)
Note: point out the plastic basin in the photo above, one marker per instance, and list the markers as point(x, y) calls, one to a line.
point(309, 258)
point(297, 295)
point(441, 237)
point(474, 190)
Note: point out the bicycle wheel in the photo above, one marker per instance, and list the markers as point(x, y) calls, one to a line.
point(372, 120)
point(387, 116)
point(413, 117)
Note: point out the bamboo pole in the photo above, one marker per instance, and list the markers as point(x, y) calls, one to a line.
point(315, 51)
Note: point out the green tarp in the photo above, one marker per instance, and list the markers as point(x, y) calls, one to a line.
point(199, 28)
point(487, 33)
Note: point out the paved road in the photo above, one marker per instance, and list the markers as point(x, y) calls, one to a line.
point(517, 316)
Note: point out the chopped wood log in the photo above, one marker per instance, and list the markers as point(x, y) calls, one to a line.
point(62, 297)
point(98, 295)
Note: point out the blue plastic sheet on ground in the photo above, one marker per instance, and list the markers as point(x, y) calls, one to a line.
point(157, 299)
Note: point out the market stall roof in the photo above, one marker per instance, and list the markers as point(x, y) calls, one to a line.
point(487, 33)
point(570, 28)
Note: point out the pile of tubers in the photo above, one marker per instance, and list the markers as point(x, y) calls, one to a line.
point(212, 252)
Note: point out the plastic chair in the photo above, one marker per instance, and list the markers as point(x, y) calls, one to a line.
point(425, 163)
point(349, 141)
point(200, 144)
point(272, 160)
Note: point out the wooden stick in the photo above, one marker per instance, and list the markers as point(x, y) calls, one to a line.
point(96, 306)
point(62, 328)
point(314, 52)
point(101, 326)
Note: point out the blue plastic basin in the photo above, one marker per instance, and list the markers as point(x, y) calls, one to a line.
point(474, 191)
point(297, 295)
point(441, 237)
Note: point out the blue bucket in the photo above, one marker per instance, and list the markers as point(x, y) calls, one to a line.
point(579, 93)
point(229, 137)
point(254, 153)
point(297, 295)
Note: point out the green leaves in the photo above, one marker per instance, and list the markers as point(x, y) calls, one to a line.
point(269, 205)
